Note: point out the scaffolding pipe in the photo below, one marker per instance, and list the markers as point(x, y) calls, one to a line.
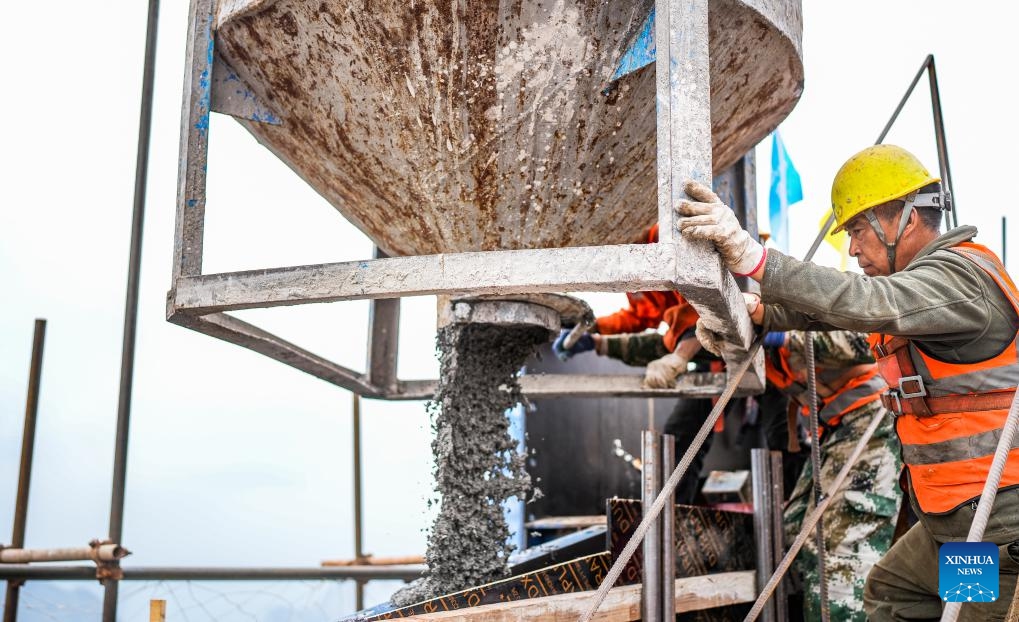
point(358, 528)
point(25, 468)
point(21, 572)
point(99, 553)
point(131, 302)
point(942, 142)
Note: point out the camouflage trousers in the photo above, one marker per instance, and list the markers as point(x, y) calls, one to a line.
point(859, 523)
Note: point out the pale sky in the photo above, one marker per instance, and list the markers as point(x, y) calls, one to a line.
point(236, 459)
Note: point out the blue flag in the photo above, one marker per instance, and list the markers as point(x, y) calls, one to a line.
point(785, 190)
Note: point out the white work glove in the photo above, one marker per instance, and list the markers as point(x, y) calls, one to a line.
point(707, 218)
point(754, 307)
point(662, 373)
point(710, 340)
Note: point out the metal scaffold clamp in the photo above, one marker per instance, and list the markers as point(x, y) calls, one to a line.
point(107, 556)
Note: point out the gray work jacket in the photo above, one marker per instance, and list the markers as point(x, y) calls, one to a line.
point(944, 303)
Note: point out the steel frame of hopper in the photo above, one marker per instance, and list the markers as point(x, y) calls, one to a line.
point(201, 301)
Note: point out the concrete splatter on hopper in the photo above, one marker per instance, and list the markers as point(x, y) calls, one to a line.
point(441, 127)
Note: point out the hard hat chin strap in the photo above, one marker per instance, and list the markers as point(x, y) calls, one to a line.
point(891, 247)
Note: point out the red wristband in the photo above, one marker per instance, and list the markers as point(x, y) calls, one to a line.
point(764, 256)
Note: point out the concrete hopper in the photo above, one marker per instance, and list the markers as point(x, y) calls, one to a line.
point(488, 149)
point(440, 127)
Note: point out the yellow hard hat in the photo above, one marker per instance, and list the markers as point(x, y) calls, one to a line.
point(874, 176)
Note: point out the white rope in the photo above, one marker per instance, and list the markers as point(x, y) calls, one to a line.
point(812, 519)
point(990, 491)
point(651, 514)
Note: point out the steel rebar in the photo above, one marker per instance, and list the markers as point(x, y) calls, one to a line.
point(815, 465)
point(650, 514)
point(951, 217)
point(812, 518)
point(1004, 241)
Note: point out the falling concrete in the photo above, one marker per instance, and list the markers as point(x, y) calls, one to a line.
point(477, 465)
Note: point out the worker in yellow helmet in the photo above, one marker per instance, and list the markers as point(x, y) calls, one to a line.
point(944, 315)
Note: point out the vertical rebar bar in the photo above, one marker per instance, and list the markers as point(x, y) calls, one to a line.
point(131, 303)
point(815, 464)
point(25, 468)
point(670, 482)
point(652, 571)
point(358, 526)
point(811, 519)
point(668, 534)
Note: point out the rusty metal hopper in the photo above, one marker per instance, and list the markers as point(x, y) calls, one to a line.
point(457, 126)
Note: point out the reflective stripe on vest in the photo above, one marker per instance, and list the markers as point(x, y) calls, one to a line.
point(951, 415)
point(856, 392)
point(979, 381)
point(977, 445)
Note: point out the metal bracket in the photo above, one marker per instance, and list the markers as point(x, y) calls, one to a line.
point(15, 583)
point(107, 569)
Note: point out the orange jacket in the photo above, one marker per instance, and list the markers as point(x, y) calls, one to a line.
point(649, 310)
point(951, 415)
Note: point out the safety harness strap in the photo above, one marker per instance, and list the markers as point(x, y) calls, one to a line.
point(910, 397)
point(929, 406)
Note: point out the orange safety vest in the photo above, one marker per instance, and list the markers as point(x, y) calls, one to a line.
point(950, 415)
point(847, 394)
